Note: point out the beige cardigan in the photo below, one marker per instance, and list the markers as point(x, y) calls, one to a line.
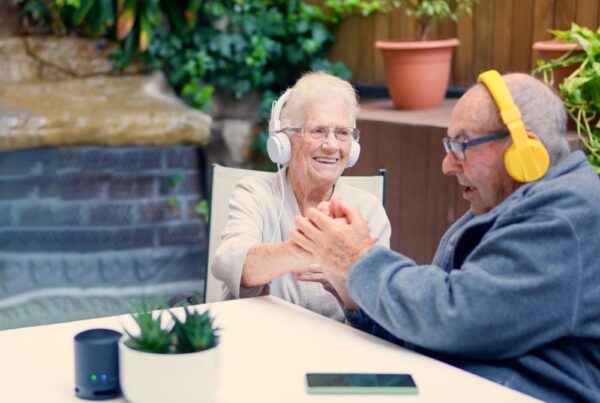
point(253, 218)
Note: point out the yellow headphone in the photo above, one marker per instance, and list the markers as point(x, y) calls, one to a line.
point(526, 160)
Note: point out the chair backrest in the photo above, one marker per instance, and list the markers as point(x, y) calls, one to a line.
point(223, 182)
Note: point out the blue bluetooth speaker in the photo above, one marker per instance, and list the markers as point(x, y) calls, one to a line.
point(97, 364)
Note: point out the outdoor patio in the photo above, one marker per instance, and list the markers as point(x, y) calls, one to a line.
point(104, 210)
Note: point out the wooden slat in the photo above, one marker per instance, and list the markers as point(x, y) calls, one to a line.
point(382, 32)
point(421, 202)
point(351, 40)
point(366, 42)
point(521, 40)
point(462, 65)
point(397, 22)
point(483, 31)
point(564, 13)
point(502, 37)
point(412, 29)
point(543, 18)
point(587, 13)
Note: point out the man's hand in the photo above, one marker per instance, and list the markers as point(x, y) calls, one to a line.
point(334, 243)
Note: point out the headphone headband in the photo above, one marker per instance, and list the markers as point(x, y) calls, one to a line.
point(275, 121)
point(509, 112)
point(526, 160)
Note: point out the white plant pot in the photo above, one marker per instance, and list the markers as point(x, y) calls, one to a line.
point(150, 377)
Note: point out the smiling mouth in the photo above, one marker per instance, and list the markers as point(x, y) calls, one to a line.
point(324, 160)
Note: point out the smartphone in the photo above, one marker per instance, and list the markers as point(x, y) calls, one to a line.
point(356, 383)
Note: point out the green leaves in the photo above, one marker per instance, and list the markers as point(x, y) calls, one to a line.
point(203, 210)
point(84, 8)
point(203, 46)
point(195, 332)
point(581, 90)
point(429, 11)
point(152, 337)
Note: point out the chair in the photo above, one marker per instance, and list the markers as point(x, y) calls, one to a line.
point(223, 182)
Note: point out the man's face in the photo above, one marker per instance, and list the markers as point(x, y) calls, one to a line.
point(482, 174)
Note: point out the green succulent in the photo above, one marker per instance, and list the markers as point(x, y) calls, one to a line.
point(195, 332)
point(152, 337)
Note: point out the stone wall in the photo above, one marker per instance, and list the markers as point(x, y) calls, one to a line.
point(100, 174)
point(86, 231)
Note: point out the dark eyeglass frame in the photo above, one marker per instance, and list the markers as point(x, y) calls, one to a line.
point(458, 148)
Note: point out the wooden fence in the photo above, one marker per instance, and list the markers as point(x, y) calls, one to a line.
point(499, 35)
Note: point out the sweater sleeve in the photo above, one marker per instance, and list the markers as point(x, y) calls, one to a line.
point(243, 229)
point(516, 290)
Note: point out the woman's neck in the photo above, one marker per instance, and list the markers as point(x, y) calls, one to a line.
point(307, 194)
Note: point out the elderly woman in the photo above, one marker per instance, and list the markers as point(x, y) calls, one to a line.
point(256, 256)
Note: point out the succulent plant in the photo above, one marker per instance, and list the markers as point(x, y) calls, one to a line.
point(152, 337)
point(195, 332)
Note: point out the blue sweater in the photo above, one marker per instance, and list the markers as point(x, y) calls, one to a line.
point(512, 295)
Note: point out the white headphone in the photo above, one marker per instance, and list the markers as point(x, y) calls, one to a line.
point(278, 144)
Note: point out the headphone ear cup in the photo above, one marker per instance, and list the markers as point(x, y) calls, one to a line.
point(353, 154)
point(528, 162)
point(279, 148)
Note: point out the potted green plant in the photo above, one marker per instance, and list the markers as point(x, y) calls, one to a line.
point(580, 90)
point(417, 72)
point(553, 51)
point(170, 357)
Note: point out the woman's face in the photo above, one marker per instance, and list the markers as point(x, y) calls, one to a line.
point(321, 162)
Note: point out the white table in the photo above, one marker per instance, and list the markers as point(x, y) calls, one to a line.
point(267, 347)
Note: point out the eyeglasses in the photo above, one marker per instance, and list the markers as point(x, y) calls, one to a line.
point(320, 132)
point(457, 148)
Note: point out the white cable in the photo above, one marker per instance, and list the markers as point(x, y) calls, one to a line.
point(280, 173)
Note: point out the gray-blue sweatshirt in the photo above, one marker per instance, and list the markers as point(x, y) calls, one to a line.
point(512, 295)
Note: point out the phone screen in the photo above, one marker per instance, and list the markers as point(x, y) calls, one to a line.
point(354, 383)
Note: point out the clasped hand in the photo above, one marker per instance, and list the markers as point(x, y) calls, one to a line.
point(335, 234)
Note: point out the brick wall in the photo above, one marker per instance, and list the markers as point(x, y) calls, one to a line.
point(86, 228)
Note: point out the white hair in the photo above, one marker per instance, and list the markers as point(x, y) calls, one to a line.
point(317, 86)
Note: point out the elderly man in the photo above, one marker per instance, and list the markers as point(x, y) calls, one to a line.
point(513, 292)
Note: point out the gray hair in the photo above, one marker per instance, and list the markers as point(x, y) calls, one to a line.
point(542, 111)
point(317, 86)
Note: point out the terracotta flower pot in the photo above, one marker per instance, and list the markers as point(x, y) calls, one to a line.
point(417, 73)
point(550, 50)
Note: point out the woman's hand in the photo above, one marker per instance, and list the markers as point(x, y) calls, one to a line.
point(336, 243)
point(336, 285)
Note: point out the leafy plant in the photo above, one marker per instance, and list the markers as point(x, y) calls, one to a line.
point(202, 208)
point(234, 46)
point(195, 332)
point(580, 91)
point(152, 337)
point(429, 12)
